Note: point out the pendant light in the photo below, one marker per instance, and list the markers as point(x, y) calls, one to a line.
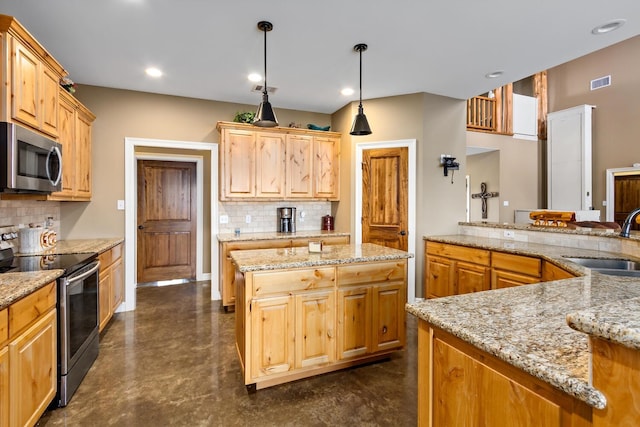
point(265, 117)
point(360, 123)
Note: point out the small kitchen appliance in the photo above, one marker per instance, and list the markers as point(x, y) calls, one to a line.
point(286, 220)
point(327, 223)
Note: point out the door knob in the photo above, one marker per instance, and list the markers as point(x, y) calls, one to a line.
point(140, 227)
point(403, 233)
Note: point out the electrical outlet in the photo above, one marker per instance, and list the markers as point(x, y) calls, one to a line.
point(510, 234)
point(247, 219)
point(224, 219)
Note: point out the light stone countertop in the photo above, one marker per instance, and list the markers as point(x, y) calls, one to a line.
point(528, 326)
point(231, 237)
point(14, 286)
point(277, 259)
point(585, 231)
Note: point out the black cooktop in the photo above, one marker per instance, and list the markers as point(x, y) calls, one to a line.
point(67, 262)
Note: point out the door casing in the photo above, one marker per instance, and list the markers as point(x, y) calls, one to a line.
point(357, 209)
point(130, 165)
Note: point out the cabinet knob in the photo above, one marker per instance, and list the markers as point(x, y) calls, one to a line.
point(140, 227)
point(384, 329)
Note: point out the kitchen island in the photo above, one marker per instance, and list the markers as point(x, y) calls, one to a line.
point(558, 353)
point(300, 314)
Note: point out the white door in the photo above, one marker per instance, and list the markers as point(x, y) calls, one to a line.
point(569, 185)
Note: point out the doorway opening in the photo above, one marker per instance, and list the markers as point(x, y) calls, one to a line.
point(623, 190)
point(131, 158)
point(410, 144)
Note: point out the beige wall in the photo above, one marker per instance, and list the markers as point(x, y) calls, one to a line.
point(520, 165)
point(616, 124)
point(438, 124)
point(484, 167)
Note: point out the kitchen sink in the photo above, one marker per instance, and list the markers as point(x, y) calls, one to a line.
point(611, 266)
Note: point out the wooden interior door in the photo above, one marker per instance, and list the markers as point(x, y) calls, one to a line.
point(166, 233)
point(627, 198)
point(385, 197)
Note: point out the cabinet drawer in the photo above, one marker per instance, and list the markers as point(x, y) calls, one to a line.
point(334, 240)
point(116, 252)
point(272, 282)
point(25, 311)
point(4, 325)
point(257, 244)
point(461, 253)
point(372, 273)
point(517, 263)
point(105, 260)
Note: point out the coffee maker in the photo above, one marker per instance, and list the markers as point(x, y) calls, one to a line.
point(286, 220)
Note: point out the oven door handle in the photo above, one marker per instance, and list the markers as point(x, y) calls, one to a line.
point(73, 278)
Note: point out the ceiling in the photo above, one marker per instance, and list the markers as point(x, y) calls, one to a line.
point(206, 49)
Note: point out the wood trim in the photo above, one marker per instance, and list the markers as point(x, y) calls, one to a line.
point(278, 129)
point(540, 92)
point(507, 109)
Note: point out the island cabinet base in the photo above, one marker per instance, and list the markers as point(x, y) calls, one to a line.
point(300, 322)
point(460, 385)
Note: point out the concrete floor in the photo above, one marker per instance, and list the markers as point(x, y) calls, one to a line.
point(172, 362)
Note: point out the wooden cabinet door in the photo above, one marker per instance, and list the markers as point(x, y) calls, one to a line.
point(272, 336)
point(388, 327)
point(315, 329)
point(299, 166)
point(354, 321)
point(270, 165)
point(439, 277)
point(504, 279)
point(25, 88)
point(467, 392)
point(83, 156)
point(50, 101)
point(4, 386)
point(326, 167)
point(239, 164)
point(33, 371)
point(104, 298)
point(471, 278)
point(67, 137)
point(552, 272)
point(117, 283)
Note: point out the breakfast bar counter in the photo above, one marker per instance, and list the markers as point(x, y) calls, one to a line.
point(556, 343)
point(300, 314)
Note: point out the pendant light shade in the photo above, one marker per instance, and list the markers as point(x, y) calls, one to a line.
point(360, 123)
point(265, 116)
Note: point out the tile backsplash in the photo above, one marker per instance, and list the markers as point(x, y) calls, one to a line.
point(264, 215)
point(24, 212)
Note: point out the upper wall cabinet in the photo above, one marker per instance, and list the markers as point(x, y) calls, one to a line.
point(30, 80)
point(31, 96)
point(278, 163)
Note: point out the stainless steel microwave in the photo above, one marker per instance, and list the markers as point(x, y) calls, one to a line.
point(29, 162)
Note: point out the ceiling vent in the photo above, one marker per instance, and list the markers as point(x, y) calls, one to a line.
point(601, 82)
point(260, 88)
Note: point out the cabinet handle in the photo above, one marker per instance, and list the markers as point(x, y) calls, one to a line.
point(140, 227)
point(384, 329)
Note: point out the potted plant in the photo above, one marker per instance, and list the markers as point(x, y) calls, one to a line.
point(244, 117)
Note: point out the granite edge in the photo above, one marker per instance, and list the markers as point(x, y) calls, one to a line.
point(322, 262)
point(578, 388)
point(248, 237)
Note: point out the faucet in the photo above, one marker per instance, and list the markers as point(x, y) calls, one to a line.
point(626, 226)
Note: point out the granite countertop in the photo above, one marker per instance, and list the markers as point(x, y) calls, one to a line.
point(81, 246)
point(587, 231)
point(530, 326)
point(277, 259)
point(14, 286)
point(231, 237)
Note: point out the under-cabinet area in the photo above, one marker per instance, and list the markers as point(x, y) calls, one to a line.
point(309, 314)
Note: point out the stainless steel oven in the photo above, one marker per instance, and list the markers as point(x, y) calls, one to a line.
point(77, 327)
point(29, 162)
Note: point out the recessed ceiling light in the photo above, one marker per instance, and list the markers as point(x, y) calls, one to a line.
point(347, 91)
point(608, 27)
point(494, 74)
point(255, 77)
point(153, 72)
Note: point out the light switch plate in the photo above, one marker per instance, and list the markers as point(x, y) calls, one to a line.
point(120, 205)
point(224, 219)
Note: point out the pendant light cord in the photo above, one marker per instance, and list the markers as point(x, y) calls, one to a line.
point(360, 78)
point(264, 92)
